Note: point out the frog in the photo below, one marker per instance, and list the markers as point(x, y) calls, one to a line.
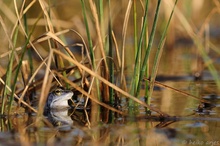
point(58, 99)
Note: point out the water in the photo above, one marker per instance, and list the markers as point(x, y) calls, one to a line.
point(188, 127)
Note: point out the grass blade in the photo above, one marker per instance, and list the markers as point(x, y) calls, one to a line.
point(158, 55)
point(92, 56)
point(111, 63)
point(147, 53)
point(9, 74)
point(138, 54)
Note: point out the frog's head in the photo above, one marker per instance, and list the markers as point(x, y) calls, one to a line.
point(58, 99)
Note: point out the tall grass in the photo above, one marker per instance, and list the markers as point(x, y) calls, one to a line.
point(101, 51)
point(104, 67)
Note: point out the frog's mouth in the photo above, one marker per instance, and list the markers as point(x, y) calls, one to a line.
point(61, 101)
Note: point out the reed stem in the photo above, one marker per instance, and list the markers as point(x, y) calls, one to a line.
point(9, 73)
point(146, 57)
point(137, 66)
point(158, 55)
point(111, 55)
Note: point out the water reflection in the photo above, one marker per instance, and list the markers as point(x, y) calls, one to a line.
point(70, 127)
point(67, 118)
point(59, 117)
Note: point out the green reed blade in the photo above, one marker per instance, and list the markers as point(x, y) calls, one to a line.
point(158, 55)
point(111, 63)
point(9, 72)
point(16, 74)
point(135, 27)
point(92, 56)
point(136, 75)
point(149, 47)
point(30, 59)
point(136, 47)
point(88, 34)
point(19, 66)
point(145, 43)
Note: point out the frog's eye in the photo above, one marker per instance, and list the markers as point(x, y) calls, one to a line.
point(58, 91)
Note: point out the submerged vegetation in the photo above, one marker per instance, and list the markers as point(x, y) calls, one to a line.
point(105, 55)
